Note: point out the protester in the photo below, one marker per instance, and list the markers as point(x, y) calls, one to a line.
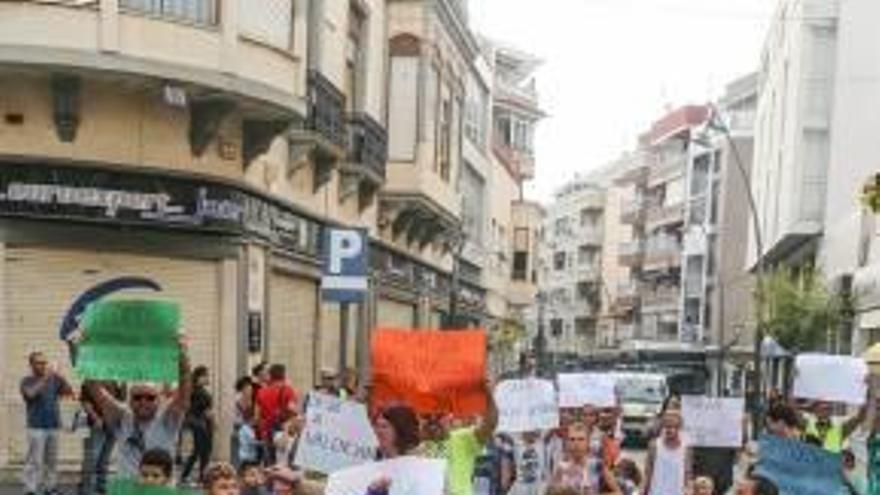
point(397, 429)
point(244, 412)
point(530, 464)
point(275, 403)
point(703, 485)
point(147, 423)
point(349, 385)
point(752, 484)
point(782, 420)
point(98, 445)
point(873, 461)
point(609, 423)
point(199, 421)
point(556, 439)
point(828, 432)
point(495, 472)
point(42, 391)
point(327, 384)
point(668, 465)
point(574, 475)
point(249, 446)
point(260, 376)
point(460, 447)
point(854, 482)
point(156, 468)
point(628, 476)
point(287, 438)
point(251, 478)
point(221, 479)
point(596, 457)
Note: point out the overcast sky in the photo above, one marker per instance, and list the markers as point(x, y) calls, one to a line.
point(611, 66)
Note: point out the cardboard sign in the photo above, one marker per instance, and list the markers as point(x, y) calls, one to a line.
point(799, 468)
point(713, 421)
point(130, 341)
point(831, 378)
point(337, 435)
point(580, 389)
point(408, 475)
point(431, 371)
point(526, 405)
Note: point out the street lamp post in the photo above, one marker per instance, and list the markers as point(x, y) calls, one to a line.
point(715, 123)
point(456, 242)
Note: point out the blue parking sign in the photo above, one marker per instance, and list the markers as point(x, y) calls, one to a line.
point(345, 265)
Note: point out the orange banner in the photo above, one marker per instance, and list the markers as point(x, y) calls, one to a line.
point(431, 371)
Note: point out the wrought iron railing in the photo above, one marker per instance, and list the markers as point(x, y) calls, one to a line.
point(368, 143)
point(198, 12)
point(326, 112)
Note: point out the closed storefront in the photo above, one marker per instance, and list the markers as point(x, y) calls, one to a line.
point(292, 326)
point(40, 284)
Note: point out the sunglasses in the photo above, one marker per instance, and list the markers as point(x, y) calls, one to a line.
point(143, 398)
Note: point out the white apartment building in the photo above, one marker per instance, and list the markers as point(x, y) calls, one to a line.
point(793, 129)
point(570, 278)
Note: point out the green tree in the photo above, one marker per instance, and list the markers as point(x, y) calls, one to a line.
point(799, 311)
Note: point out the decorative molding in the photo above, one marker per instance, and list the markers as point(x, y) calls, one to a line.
point(206, 117)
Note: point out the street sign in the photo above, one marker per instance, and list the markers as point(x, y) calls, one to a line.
point(344, 265)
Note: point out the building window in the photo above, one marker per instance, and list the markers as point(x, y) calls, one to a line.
point(520, 265)
point(198, 11)
point(590, 218)
point(585, 327)
point(476, 110)
point(445, 141)
point(556, 327)
point(559, 261)
point(561, 227)
point(403, 108)
point(355, 58)
point(587, 256)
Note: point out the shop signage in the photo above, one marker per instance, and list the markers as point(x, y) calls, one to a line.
point(97, 195)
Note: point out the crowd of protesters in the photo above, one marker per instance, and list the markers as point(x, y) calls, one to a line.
point(140, 427)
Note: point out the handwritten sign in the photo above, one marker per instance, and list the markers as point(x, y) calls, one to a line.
point(526, 405)
point(798, 467)
point(408, 475)
point(432, 371)
point(580, 389)
point(130, 341)
point(713, 421)
point(337, 435)
point(831, 378)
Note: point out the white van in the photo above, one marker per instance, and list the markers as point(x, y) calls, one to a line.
point(641, 396)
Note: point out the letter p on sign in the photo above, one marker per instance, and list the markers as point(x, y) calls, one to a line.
point(345, 265)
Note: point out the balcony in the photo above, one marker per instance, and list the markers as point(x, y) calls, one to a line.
point(661, 215)
point(660, 299)
point(590, 236)
point(588, 272)
point(627, 296)
point(638, 176)
point(630, 254)
point(520, 163)
point(632, 212)
point(667, 168)
point(197, 57)
point(662, 252)
point(363, 171)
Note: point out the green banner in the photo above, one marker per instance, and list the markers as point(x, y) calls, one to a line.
point(132, 487)
point(130, 341)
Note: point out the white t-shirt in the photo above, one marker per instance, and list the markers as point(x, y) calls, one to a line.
point(133, 439)
point(668, 475)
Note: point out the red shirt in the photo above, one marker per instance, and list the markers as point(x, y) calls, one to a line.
point(273, 402)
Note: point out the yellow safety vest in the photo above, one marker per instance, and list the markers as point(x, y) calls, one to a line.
point(832, 440)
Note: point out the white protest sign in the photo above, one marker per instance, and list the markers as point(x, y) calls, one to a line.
point(713, 421)
point(408, 475)
point(580, 389)
point(830, 378)
point(526, 405)
point(337, 435)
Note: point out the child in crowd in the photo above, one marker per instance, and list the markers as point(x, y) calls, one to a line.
point(283, 480)
point(251, 478)
point(248, 444)
point(704, 485)
point(629, 478)
point(221, 479)
point(155, 469)
point(287, 439)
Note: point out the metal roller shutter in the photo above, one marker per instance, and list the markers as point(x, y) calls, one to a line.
point(292, 320)
point(41, 283)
